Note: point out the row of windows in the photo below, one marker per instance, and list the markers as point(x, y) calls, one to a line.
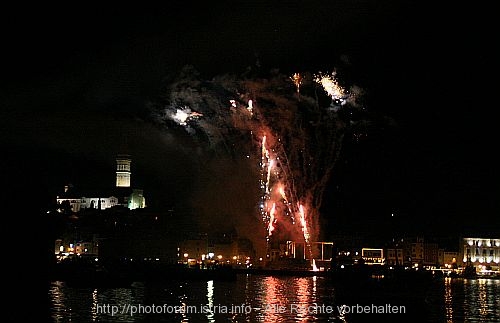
point(103, 201)
point(477, 252)
point(484, 243)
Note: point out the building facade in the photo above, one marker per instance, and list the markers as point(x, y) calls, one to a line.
point(482, 253)
point(123, 194)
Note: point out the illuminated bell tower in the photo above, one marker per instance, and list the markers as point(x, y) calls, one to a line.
point(123, 170)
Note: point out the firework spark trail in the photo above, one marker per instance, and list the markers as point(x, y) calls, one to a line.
point(269, 168)
point(288, 178)
point(266, 164)
point(299, 212)
point(281, 191)
point(283, 178)
point(305, 230)
point(271, 220)
point(269, 217)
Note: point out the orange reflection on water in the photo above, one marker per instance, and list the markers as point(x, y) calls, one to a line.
point(273, 303)
point(286, 299)
point(304, 310)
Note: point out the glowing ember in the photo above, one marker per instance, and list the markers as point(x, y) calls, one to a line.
point(272, 219)
point(297, 80)
point(305, 230)
point(331, 86)
point(250, 107)
point(181, 116)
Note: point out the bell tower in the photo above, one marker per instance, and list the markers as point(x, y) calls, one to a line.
point(123, 170)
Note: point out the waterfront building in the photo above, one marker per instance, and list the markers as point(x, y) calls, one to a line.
point(203, 251)
point(449, 259)
point(483, 253)
point(64, 249)
point(413, 251)
point(394, 255)
point(373, 256)
point(431, 254)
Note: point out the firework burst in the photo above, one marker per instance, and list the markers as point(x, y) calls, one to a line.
point(293, 144)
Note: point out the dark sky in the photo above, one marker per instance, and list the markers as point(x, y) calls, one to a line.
point(76, 81)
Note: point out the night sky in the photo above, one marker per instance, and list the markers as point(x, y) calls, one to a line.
point(77, 81)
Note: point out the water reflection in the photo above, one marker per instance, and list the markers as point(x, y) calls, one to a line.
point(448, 300)
point(210, 300)
point(56, 295)
point(297, 299)
point(481, 300)
point(270, 299)
point(95, 302)
point(260, 299)
point(304, 296)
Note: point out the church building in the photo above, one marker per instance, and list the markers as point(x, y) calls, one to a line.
point(121, 195)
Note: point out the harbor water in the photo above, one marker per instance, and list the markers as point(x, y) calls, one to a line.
point(266, 298)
